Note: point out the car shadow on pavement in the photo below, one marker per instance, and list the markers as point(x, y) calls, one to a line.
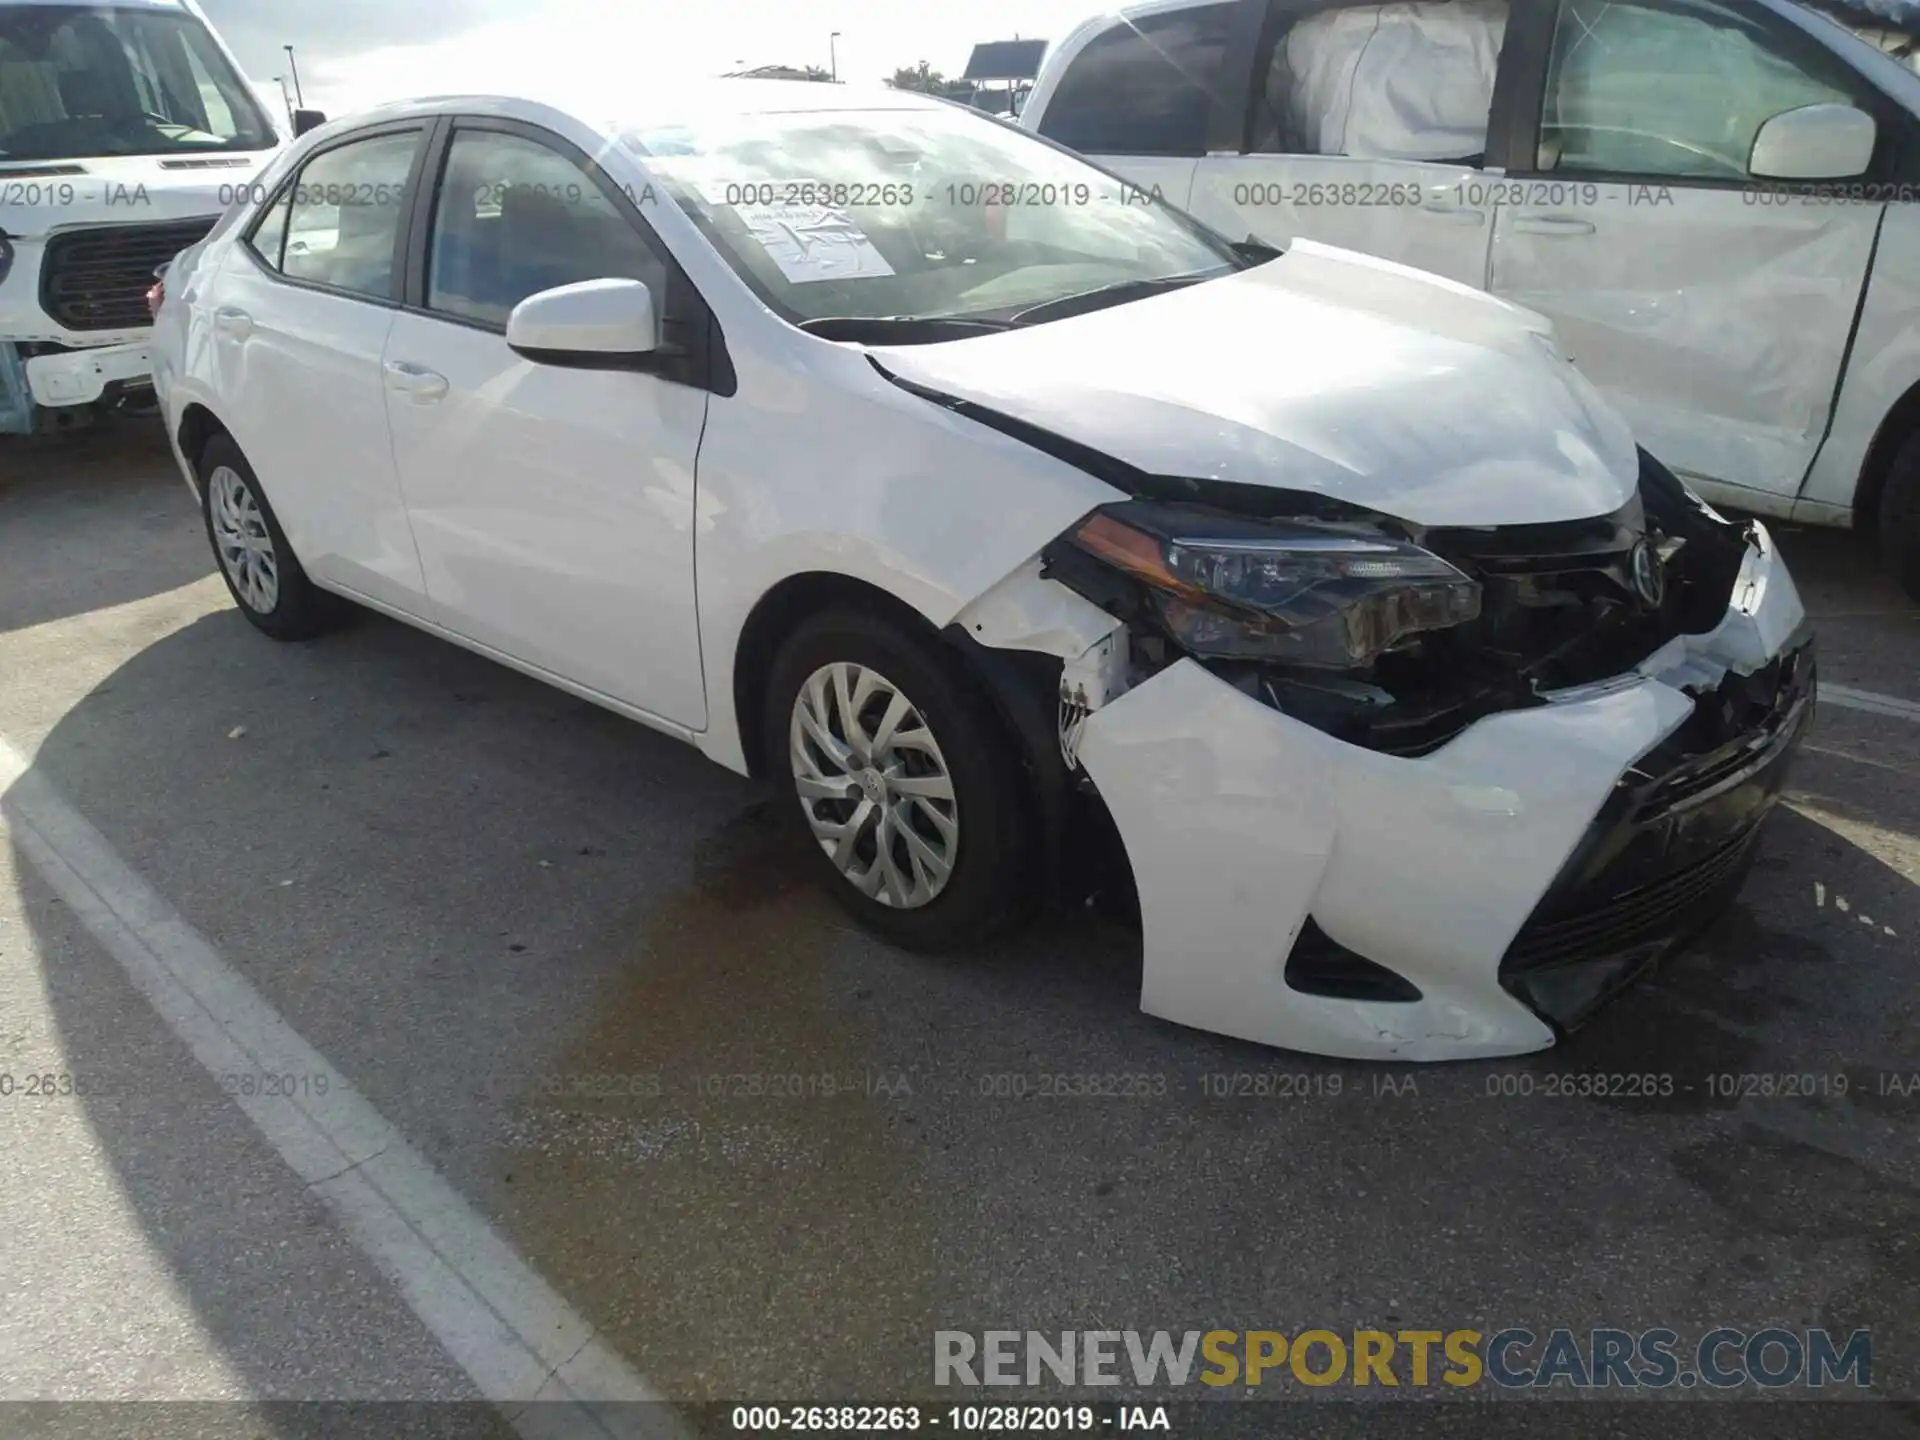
point(91, 520)
point(767, 1155)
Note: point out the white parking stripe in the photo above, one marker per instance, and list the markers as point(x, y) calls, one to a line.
point(503, 1324)
point(1867, 700)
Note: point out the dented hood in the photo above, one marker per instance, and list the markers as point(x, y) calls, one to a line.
point(1324, 371)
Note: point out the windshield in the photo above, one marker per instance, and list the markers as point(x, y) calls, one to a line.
point(79, 81)
point(922, 213)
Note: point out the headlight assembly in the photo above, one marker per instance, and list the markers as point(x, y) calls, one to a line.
point(1300, 592)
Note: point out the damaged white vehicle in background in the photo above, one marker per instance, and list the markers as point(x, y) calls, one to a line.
point(1423, 708)
point(126, 129)
point(1716, 202)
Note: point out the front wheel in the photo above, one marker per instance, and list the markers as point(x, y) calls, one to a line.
point(1900, 518)
point(262, 573)
point(907, 793)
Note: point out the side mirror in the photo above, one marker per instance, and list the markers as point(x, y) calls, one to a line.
point(1815, 142)
point(305, 120)
point(596, 324)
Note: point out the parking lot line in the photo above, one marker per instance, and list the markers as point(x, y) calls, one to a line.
point(517, 1338)
point(1869, 701)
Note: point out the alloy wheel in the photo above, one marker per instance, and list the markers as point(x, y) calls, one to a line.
point(241, 538)
point(874, 786)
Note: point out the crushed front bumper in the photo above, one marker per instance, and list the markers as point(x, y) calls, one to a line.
point(1509, 881)
point(1670, 848)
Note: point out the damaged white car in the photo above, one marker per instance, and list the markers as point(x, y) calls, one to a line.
point(1000, 514)
point(1716, 202)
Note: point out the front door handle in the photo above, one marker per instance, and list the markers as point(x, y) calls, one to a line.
point(423, 385)
point(1448, 210)
point(237, 323)
point(1552, 225)
point(1454, 214)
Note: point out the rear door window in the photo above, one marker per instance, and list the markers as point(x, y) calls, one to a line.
point(344, 222)
point(1143, 87)
point(1404, 81)
point(269, 237)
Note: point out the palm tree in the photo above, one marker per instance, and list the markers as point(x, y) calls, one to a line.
point(919, 77)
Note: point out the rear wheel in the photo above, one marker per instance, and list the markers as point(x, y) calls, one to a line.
point(262, 573)
point(906, 791)
point(1900, 517)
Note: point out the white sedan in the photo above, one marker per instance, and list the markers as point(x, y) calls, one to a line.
point(1010, 520)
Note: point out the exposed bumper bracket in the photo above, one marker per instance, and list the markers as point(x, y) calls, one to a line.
point(80, 377)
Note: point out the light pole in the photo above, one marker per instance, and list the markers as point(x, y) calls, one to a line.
point(299, 97)
point(833, 55)
point(286, 97)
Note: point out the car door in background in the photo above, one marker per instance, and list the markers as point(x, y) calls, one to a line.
point(1712, 306)
point(552, 505)
point(1368, 127)
point(302, 308)
point(1141, 95)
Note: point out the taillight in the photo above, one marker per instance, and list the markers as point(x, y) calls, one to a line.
point(157, 292)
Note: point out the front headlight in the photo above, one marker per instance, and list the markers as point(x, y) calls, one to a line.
point(1300, 592)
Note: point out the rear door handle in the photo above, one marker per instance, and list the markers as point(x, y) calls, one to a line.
point(237, 323)
point(425, 386)
point(1552, 225)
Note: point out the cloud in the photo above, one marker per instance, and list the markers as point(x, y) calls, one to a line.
point(340, 29)
point(354, 53)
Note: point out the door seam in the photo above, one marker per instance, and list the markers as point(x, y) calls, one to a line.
point(1846, 363)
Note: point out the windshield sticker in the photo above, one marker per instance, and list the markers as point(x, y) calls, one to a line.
point(811, 243)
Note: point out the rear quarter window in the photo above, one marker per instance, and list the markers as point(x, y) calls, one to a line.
point(1143, 87)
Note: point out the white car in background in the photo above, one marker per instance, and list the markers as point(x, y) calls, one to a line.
point(1716, 202)
point(1425, 708)
point(126, 130)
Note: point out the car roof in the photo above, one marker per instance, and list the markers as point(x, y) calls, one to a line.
point(665, 105)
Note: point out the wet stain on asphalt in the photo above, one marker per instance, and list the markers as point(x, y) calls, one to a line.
point(747, 1204)
point(1742, 970)
point(1827, 1215)
point(1644, 1034)
point(1890, 1090)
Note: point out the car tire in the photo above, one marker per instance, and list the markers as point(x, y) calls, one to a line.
point(946, 787)
point(1900, 517)
point(262, 573)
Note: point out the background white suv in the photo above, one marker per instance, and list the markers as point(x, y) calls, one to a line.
point(1717, 202)
point(126, 130)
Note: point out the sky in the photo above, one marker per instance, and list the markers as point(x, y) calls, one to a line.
point(355, 53)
